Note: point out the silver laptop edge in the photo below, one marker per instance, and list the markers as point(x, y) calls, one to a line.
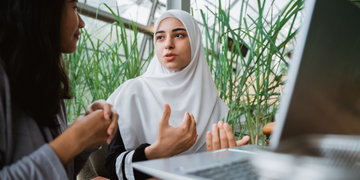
point(293, 72)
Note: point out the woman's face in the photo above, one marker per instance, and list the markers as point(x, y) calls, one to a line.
point(71, 23)
point(172, 44)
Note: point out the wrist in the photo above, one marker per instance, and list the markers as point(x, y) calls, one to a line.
point(67, 146)
point(150, 152)
point(79, 141)
point(154, 152)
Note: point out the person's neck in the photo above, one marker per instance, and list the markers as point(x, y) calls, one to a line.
point(174, 70)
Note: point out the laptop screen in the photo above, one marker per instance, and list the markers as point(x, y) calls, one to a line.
point(323, 89)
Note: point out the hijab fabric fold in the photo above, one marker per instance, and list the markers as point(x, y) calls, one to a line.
point(140, 101)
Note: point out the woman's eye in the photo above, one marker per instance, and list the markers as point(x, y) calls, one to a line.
point(76, 8)
point(179, 35)
point(159, 37)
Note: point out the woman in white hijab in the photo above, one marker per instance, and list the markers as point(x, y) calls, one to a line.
point(179, 76)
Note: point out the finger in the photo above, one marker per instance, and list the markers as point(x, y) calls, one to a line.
point(113, 127)
point(223, 138)
point(107, 111)
point(100, 114)
point(215, 137)
point(114, 120)
point(193, 125)
point(243, 141)
point(100, 104)
point(209, 141)
point(89, 110)
point(230, 135)
point(106, 107)
point(186, 121)
point(166, 115)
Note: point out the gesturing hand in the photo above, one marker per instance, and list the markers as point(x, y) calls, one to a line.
point(92, 129)
point(109, 114)
point(172, 140)
point(222, 137)
point(85, 132)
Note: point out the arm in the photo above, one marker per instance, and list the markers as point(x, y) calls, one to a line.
point(48, 162)
point(41, 164)
point(119, 161)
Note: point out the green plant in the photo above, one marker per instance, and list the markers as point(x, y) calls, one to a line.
point(251, 91)
point(96, 68)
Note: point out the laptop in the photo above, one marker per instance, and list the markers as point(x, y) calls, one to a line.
point(322, 96)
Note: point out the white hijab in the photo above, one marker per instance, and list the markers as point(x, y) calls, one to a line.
point(140, 101)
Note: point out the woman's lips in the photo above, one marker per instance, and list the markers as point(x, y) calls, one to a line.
point(76, 35)
point(169, 58)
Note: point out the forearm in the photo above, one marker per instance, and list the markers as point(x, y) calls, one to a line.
point(85, 132)
point(67, 146)
point(41, 164)
point(119, 161)
point(139, 155)
point(123, 164)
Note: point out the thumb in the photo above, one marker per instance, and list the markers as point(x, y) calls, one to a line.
point(166, 116)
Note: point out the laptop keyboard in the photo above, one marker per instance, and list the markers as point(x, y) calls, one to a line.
point(241, 170)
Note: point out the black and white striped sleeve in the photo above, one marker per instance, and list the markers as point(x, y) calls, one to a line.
point(119, 161)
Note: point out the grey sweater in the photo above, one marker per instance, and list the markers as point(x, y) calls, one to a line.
point(24, 151)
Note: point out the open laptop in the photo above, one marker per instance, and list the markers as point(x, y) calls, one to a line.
point(322, 95)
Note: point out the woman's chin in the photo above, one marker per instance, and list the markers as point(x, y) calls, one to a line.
point(68, 50)
point(171, 66)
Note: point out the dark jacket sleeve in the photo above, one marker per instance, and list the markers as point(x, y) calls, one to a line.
point(116, 148)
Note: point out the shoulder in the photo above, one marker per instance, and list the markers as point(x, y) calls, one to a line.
point(130, 87)
point(132, 83)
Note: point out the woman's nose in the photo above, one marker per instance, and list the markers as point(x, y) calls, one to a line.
point(169, 44)
point(81, 22)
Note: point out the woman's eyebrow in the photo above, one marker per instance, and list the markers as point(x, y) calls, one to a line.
point(178, 29)
point(159, 32)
